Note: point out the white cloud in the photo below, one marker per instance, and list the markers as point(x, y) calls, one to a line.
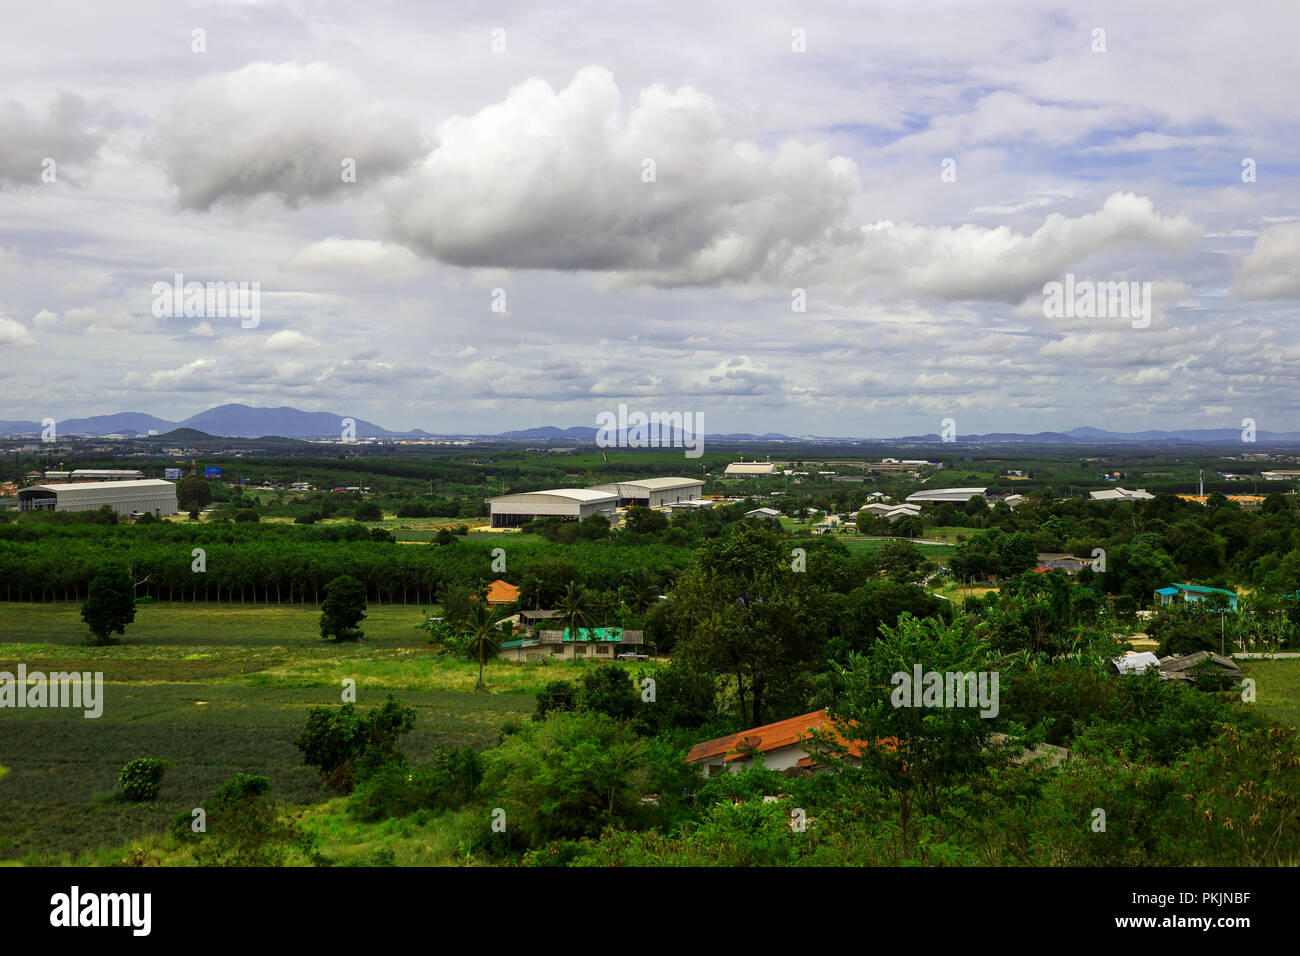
point(281, 129)
point(360, 255)
point(1272, 268)
point(13, 333)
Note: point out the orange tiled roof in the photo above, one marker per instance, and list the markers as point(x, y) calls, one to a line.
point(769, 737)
point(502, 592)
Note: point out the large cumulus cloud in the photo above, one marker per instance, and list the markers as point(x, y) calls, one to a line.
point(280, 129)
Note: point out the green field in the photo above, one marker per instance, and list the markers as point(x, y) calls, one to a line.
point(217, 690)
point(1277, 688)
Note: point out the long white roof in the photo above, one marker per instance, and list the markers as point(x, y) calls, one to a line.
point(573, 494)
point(157, 483)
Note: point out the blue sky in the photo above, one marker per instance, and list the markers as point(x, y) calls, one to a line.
point(522, 169)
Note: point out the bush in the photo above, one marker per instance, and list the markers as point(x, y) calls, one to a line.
point(141, 779)
point(244, 828)
point(246, 514)
point(558, 695)
point(344, 745)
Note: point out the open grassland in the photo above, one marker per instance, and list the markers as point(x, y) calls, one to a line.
point(1277, 688)
point(219, 690)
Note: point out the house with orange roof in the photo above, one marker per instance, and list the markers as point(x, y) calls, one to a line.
point(502, 592)
point(785, 745)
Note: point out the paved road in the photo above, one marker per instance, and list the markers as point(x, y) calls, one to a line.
point(1264, 655)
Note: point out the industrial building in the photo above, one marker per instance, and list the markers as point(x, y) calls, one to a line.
point(960, 495)
point(150, 496)
point(653, 492)
point(511, 511)
point(750, 469)
point(1120, 494)
point(95, 474)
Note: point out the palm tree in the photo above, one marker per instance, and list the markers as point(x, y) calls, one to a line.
point(575, 611)
point(482, 637)
point(641, 590)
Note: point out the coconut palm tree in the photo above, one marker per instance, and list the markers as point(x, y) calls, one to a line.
point(481, 637)
point(640, 590)
point(576, 610)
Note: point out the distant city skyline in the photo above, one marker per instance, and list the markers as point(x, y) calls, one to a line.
point(848, 222)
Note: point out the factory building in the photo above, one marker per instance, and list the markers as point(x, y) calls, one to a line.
point(750, 469)
point(150, 496)
point(653, 492)
point(961, 495)
point(95, 474)
point(511, 511)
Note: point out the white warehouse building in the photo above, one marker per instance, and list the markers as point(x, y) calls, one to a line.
point(150, 496)
point(511, 511)
point(653, 492)
point(947, 494)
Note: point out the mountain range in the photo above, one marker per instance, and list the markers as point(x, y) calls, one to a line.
point(236, 420)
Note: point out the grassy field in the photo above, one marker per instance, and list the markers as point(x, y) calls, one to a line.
point(218, 690)
point(860, 545)
point(1277, 688)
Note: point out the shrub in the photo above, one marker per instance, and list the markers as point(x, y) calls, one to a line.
point(141, 779)
point(344, 745)
point(558, 695)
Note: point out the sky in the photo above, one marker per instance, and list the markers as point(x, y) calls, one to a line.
point(832, 219)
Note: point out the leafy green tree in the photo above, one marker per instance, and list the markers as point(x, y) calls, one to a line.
point(567, 777)
point(640, 591)
point(642, 520)
point(918, 753)
point(608, 690)
point(344, 744)
point(109, 606)
point(902, 561)
point(557, 695)
point(368, 511)
point(193, 493)
point(343, 609)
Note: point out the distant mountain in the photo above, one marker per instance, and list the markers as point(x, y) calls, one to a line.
point(576, 433)
point(184, 434)
point(247, 422)
point(243, 421)
point(233, 420)
point(120, 423)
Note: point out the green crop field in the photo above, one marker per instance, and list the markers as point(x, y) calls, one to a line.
point(216, 690)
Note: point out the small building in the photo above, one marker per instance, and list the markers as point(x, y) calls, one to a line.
point(1193, 594)
point(653, 492)
point(1135, 662)
point(502, 592)
point(1179, 666)
point(591, 642)
point(785, 746)
point(693, 504)
point(750, 469)
point(1050, 561)
point(573, 504)
point(150, 496)
point(763, 513)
